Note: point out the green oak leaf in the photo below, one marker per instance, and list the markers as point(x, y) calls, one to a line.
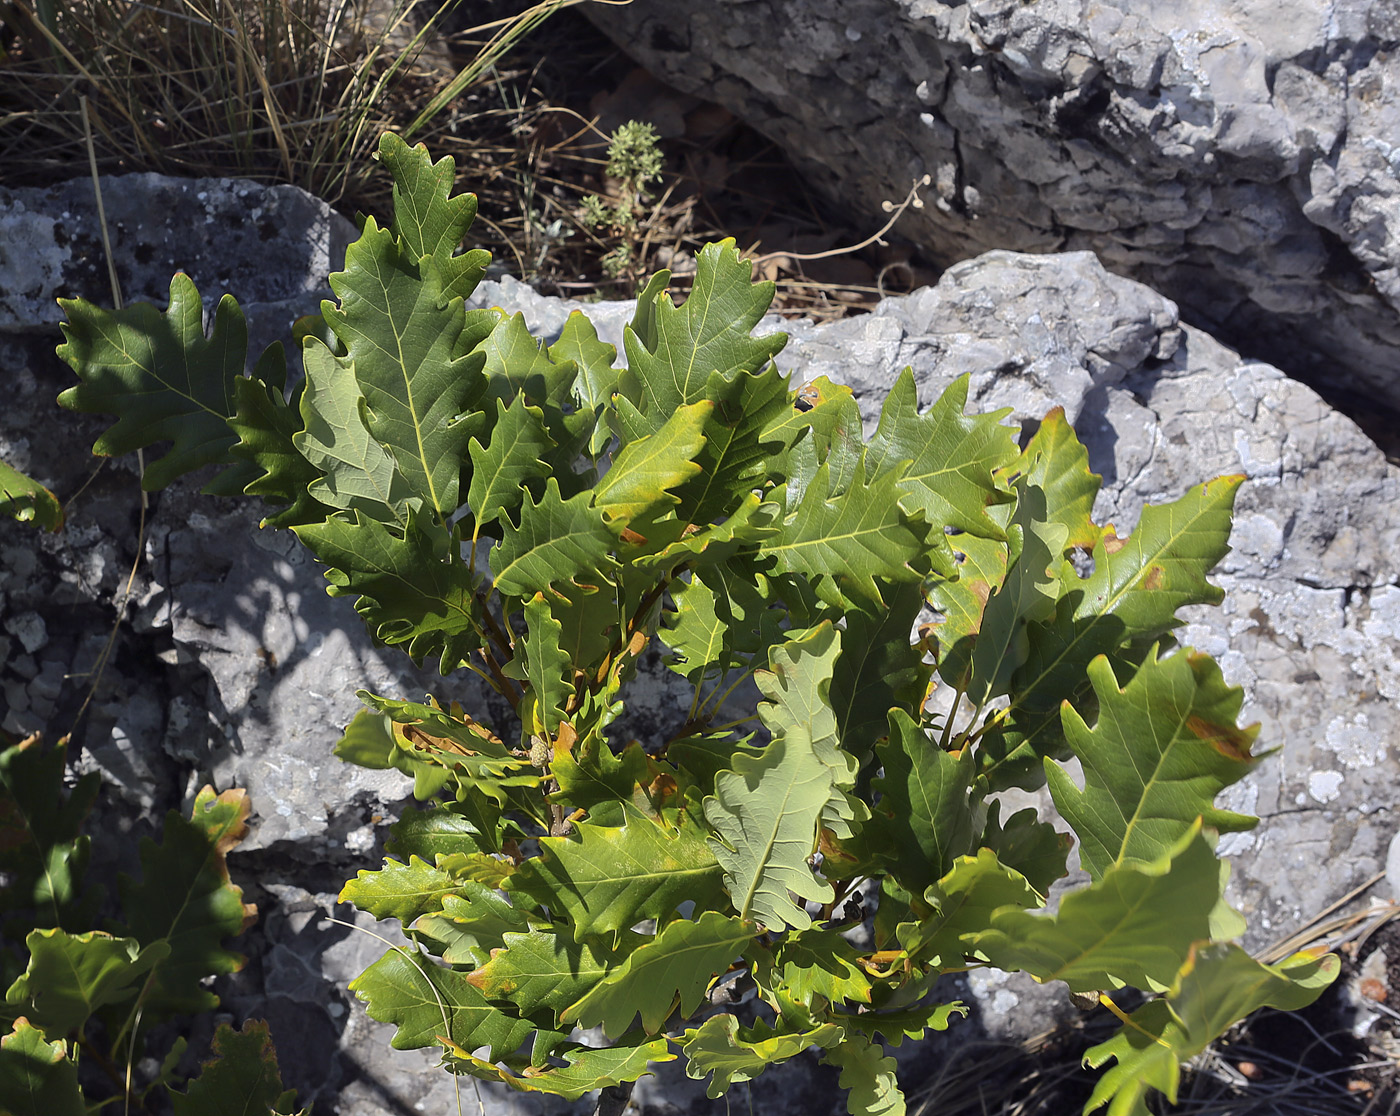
point(820, 965)
point(1056, 462)
point(413, 589)
point(909, 1023)
point(545, 971)
point(242, 1079)
point(1219, 985)
point(593, 777)
point(369, 741)
point(517, 364)
point(556, 540)
point(161, 377)
point(1133, 595)
point(401, 891)
point(428, 220)
point(643, 472)
point(588, 1068)
point(36, 1077)
point(672, 970)
point(798, 710)
point(71, 976)
point(472, 924)
point(709, 333)
point(963, 902)
point(953, 456)
point(186, 901)
point(733, 1054)
point(546, 668)
point(869, 1074)
point(502, 467)
point(608, 878)
point(597, 377)
point(723, 619)
point(765, 812)
point(1134, 925)
point(267, 426)
point(924, 818)
point(355, 472)
point(738, 455)
point(1163, 747)
point(1027, 595)
point(981, 566)
point(444, 830)
point(846, 541)
point(401, 329)
point(25, 499)
point(429, 1004)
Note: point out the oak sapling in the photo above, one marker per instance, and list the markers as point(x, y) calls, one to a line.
point(540, 515)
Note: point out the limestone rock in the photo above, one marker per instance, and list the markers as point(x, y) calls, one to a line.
point(1238, 156)
point(271, 246)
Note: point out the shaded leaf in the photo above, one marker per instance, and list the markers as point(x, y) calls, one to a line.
point(963, 902)
point(878, 670)
point(186, 900)
point(354, 471)
point(1026, 595)
point(36, 1077)
point(869, 1075)
point(42, 849)
point(266, 427)
point(924, 819)
point(71, 976)
point(597, 377)
point(242, 1079)
point(160, 375)
point(414, 590)
point(1025, 844)
point(25, 499)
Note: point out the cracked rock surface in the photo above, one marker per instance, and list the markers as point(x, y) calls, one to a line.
point(232, 666)
point(1241, 157)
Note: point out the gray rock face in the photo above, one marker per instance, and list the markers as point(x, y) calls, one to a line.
point(233, 666)
point(1238, 156)
point(271, 246)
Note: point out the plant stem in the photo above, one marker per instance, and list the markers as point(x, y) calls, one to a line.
point(612, 1101)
